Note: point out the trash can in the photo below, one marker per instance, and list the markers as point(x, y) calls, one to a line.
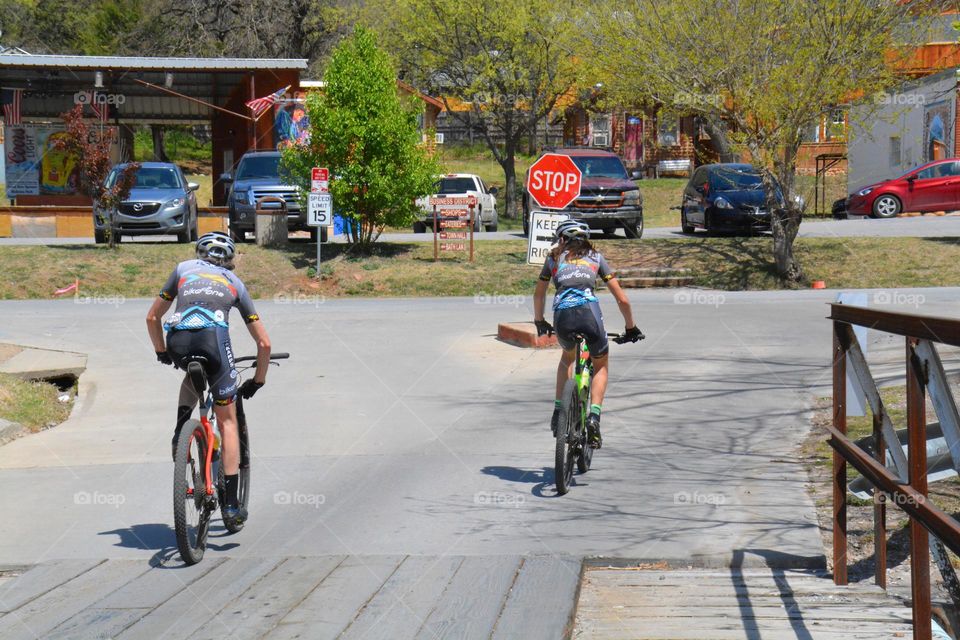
point(271, 222)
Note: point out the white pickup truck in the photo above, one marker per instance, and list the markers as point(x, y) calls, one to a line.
point(461, 185)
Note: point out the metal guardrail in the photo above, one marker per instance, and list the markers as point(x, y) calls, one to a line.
point(907, 487)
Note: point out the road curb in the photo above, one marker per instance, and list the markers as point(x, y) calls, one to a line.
point(10, 431)
point(524, 334)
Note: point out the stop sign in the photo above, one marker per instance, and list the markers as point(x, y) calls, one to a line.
point(554, 181)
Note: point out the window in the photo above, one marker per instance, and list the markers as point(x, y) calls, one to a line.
point(455, 185)
point(668, 131)
point(894, 151)
point(605, 166)
point(600, 130)
point(266, 166)
point(835, 125)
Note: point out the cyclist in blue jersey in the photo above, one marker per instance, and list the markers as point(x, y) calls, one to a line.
point(574, 266)
point(206, 290)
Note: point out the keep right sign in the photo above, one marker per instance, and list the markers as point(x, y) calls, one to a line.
point(543, 224)
point(554, 181)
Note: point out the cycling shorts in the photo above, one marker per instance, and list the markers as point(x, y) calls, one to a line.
point(214, 345)
point(587, 320)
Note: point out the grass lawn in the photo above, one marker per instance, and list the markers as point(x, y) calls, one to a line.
point(395, 269)
point(34, 405)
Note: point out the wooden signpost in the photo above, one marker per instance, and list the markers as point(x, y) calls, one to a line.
point(453, 224)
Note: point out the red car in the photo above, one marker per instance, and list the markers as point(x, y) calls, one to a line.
point(934, 186)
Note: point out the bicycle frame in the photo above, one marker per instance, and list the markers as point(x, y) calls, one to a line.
point(582, 374)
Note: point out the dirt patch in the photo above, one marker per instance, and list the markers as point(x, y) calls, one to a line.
point(7, 351)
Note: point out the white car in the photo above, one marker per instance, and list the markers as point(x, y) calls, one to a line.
point(462, 185)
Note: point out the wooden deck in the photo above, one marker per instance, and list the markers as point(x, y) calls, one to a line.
point(733, 604)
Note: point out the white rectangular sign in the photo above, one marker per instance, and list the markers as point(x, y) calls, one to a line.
point(320, 210)
point(542, 227)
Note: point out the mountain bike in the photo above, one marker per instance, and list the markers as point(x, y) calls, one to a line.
point(572, 447)
point(198, 479)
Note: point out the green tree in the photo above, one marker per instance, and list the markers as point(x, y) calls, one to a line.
point(764, 70)
point(509, 61)
point(368, 137)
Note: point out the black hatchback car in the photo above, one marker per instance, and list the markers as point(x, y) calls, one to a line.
point(725, 197)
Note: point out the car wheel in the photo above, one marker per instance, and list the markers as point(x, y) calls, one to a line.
point(195, 230)
point(684, 226)
point(634, 230)
point(184, 236)
point(419, 227)
point(526, 223)
point(99, 236)
point(492, 227)
point(237, 235)
point(886, 206)
point(610, 232)
point(478, 223)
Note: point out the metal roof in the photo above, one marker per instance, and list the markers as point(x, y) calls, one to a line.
point(146, 63)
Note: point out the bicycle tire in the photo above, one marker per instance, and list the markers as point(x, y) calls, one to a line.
point(566, 437)
point(585, 459)
point(191, 538)
point(243, 480)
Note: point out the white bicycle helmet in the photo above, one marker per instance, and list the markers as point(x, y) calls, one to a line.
point(572, 230)
point(216, 247)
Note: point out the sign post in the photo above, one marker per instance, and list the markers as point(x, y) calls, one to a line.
point(553, 183)
point(320, 205)
point(454, 220)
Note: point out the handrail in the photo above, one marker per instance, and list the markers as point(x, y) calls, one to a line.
point(933, 328)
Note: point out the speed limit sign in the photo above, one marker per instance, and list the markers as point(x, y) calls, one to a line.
point(320, 209)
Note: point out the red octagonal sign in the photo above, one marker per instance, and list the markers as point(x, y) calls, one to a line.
point(554, 181)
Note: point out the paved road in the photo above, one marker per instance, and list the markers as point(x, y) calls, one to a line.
point(403, 428)
point(853, 228)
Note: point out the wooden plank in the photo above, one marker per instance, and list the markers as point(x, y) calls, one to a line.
point(333, 605)
point(156, 586)
point(258, 609)
point(40, 579)
point(542, 600)
point(96, 623)
point(770, 612)
point(398, 609)
point(192, 608)
point(471, 604)
point(37, 618)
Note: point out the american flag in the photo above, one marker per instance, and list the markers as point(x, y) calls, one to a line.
point(11, 105)
point(101, 110)
point(259, 105)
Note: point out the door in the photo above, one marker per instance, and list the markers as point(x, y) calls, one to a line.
point(633, 144)
point(935, 188)
point(695, 198)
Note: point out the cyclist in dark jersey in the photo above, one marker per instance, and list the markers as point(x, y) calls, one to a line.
point(206, 290)
point(574, 266)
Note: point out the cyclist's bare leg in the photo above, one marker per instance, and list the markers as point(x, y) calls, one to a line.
point(565, 370)
point(598, 385)
point(227, 419)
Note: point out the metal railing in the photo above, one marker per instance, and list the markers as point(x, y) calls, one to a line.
point(906, 485)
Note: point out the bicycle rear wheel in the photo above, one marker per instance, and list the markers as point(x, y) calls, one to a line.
point(243, 484)
point(567, 436)
point(586, 452)
point(191, 513)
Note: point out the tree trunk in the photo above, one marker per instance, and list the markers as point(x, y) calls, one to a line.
point(785, 217)
point(158, 133)
point(510, 182)
point(720, 141)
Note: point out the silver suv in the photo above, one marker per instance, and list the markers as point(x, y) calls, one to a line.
point(258, 176)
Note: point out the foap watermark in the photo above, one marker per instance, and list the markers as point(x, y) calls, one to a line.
point(901, 500)
point(499, 499)
point(697, 498)
point(500, 299)
point(709, 298)
point(99, 98)
point(313, 299)
point(113, 299)
point(909, 99)
point(498, 99)
point(694, 99)
point(315, 500)
point(96, 498)
point(914, 300)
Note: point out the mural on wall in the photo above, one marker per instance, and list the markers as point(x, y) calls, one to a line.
point(34, 167)
point(291, 124)
point(938, 130)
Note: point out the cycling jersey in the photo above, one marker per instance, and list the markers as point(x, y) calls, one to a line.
point(575, 278)
point(205, 293)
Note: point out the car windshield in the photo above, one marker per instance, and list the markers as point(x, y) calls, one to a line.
point(455, 185)
point(729, 179)
point(151, 178)
point(259, 167)
point(600, 166)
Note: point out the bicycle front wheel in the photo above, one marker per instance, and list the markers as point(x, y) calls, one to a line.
point(243, 480)
point(191, 514)
point(567, 437)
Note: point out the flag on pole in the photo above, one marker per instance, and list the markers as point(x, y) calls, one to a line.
point(10, 98)
point(101, 111)
point(73, 287)
point(259, 105)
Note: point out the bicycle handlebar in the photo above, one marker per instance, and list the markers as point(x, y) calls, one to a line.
point(273, 356)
